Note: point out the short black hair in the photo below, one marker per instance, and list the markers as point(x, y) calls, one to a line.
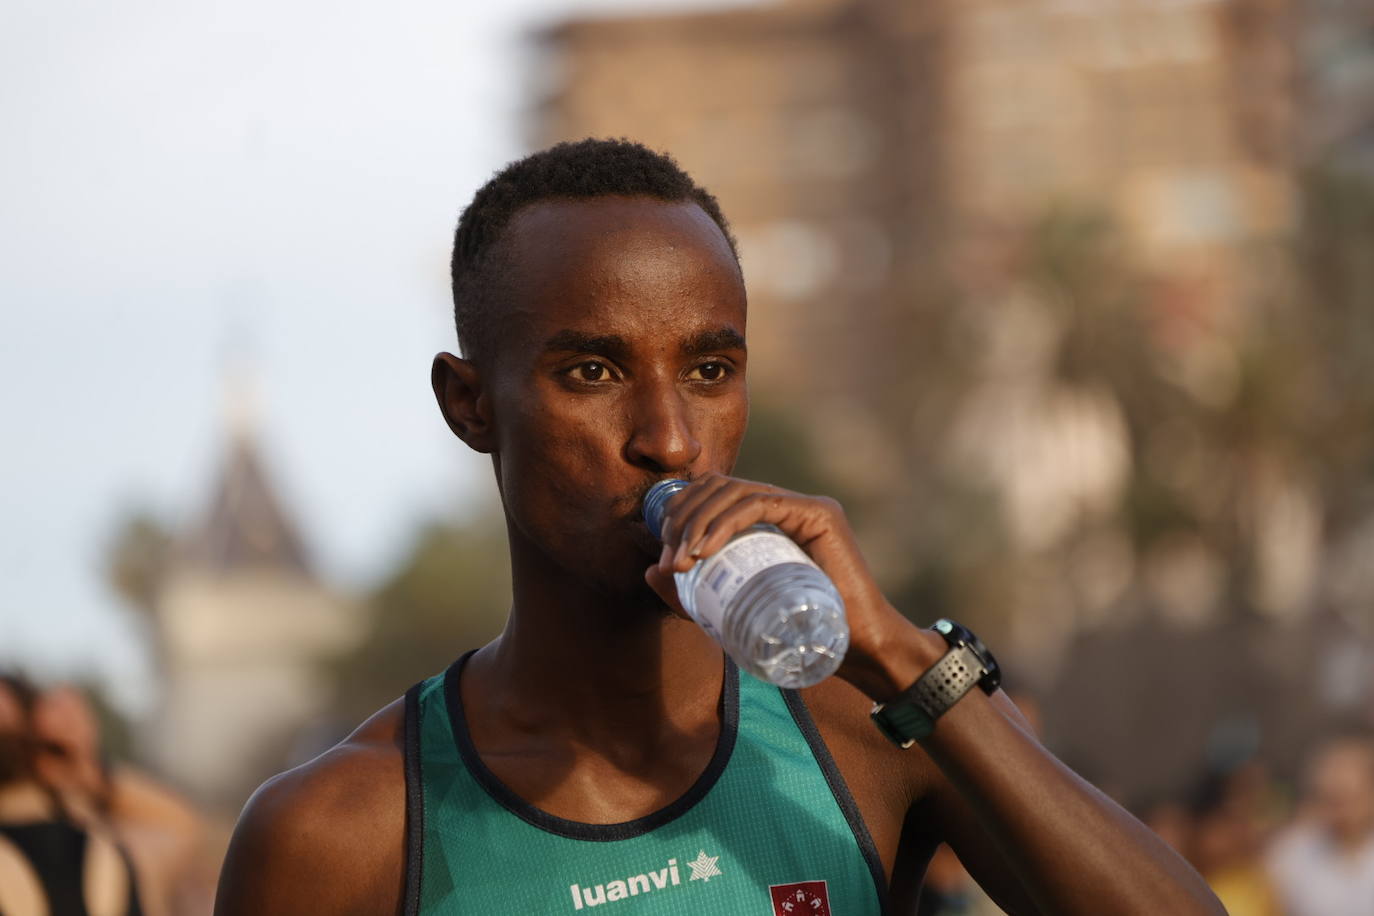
point(583, 169)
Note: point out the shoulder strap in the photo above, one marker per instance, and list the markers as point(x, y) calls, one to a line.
point(415, 803)
point(807, 726)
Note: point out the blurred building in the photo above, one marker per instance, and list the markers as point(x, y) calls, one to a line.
point(857, 144)
point(894, 169)
point(243, 623)
point(877, 155)
point(811, 123)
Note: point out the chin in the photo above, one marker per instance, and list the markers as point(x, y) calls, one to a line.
point(625, 588)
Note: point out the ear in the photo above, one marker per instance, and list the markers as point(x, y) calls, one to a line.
point(463, 400)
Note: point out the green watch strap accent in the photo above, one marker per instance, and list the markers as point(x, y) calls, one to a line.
point(911, 715)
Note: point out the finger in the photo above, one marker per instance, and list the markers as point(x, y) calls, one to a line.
point(665, 560)
point(695, 526)
point(790, 512)
point(682, 503)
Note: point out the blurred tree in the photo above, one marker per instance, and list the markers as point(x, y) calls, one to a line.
point(1335, 324)
point(449, 593)
point(1246, 511)
point(1248, 447)
point(116, 732)
point(137, 559)
point(777, 449)
point(136, 564)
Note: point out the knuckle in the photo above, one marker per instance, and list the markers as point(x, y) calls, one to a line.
point(829, 504)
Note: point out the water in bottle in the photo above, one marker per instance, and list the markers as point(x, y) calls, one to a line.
point(763, 599)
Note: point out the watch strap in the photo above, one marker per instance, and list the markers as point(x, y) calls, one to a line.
point(911, 714)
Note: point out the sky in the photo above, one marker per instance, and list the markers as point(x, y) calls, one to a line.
point(194, 191)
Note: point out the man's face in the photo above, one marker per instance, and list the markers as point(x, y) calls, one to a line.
point(1341, 787)
point(620, 361)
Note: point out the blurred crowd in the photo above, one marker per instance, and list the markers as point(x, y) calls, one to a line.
point(79, 835)
point(1267, 847)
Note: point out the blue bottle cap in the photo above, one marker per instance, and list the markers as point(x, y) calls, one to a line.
point(654, 502)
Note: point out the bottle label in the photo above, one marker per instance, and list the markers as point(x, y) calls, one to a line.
point(727, 571)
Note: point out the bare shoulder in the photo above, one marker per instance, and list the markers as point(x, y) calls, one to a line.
point(841, 714)
point(328, 836)
point(884, 781)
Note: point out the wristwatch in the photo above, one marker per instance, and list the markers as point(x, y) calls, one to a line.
point(911, 714)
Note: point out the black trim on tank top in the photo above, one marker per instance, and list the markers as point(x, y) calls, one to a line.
point(802, 716)
point(415, 803)
point(578, 830)
point(56, 852)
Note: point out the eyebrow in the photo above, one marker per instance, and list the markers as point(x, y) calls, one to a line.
point(611, 345)
point(615, 346)
point(713, 342)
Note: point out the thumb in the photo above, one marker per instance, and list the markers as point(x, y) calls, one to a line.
point(666, 588)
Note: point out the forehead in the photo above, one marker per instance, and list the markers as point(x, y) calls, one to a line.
point(622, 261)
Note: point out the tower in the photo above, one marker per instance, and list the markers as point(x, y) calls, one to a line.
point(244, 623)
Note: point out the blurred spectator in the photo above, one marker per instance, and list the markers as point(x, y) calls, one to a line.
point(160, 831)
point(1323, 865)
point(1227, 837)
point(75, 820)
point(947, 888)
point(1170, 820)
point(49, 863)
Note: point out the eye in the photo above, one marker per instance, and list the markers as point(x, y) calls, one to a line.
point(711, 372)
point(590, 371)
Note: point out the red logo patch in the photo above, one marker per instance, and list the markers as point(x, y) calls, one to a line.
point(805, 898)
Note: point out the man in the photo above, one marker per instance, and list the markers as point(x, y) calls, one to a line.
point(53, 860)
point(603, 748)
point(160, 833)
point(1323, 865)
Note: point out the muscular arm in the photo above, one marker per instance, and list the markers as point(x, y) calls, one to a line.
point(1039, 837)
point(1007, 804)
point(327, 837)
point(1035, 836)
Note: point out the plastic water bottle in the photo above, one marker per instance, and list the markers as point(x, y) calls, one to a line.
point(764, 600)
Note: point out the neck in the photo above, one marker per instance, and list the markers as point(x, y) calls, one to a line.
point(25, 801)
point(1350, 842)
point(577, 660)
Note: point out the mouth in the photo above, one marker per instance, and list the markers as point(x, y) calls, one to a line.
point(634, 520)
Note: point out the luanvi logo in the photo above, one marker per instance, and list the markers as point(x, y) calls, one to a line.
point(703, 869)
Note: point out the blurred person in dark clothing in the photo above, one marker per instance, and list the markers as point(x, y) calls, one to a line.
point(1226, 836)
point(1323, 865)
point(51, 863)
point(160, 831)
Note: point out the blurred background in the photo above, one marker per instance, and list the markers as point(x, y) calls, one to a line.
point(1070, 302)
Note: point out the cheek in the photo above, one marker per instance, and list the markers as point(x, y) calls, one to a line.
point(578, 437)
point(722, 432)
point(554, 460)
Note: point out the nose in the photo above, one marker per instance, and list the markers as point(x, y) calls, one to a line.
point(661, 435)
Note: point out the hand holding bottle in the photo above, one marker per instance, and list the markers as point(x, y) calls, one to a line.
point(703, 517)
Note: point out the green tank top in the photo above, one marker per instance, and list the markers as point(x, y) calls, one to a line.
point(768, 828)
